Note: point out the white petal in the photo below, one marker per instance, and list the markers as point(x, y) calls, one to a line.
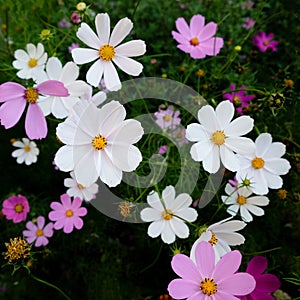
point(240, 126)
point(211, 163)
point(196, 132)
point(121, 30)
point(99, 98)
point(131, 48)
point(262, 144)
point(245, 214)
point(273, 181)
point(278, 166)
point(155, 228)
point(58, 108)
point(224, 113)
point(188, 214)
point(168, 196)
point(21, 55)
point(154, 201)
point(207, 118)
point(228, 200)
point(260, 185)
point(258, 200)
point(111, 77)
point(88, 36)
point(233, 209)
point(275, 150)
point(167, 235)
point(31, 49)
point(54, 68)
point(39, 50)
point(230, 190)
point(77, 88)
point(18, 152)
point(149, 214)
point(229, 159)
point(95, 73)
point(128, 65)
point(69, 182)
point(240, 145)
point(64, 158)
point(257, 211)
point(181, 202)
point(83, 56)
point(102, 22)
point(227, 225)
point(69, 73)
point(179, 228)
point(232, 239)
point(201, 150)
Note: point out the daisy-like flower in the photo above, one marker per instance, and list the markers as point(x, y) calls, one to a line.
point(264, 42)
point(38, 232)
point(15, 208)
point(60, 106)
point(265, 283)
point(197, 39)
point(238, 98)
point(30, 63)
point(15, 98)
point(27, 152)
point(221, 236)
point(98, 143)
point(106, 50)
point(76, 189)
point(217, 138)
point(264, 165)
point(67, 214)
point(167, 118)
point(240, 200)
point(168, 214)
point(205, 279)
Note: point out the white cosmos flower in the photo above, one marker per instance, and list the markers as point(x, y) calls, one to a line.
point(264, 165)
point(31, 63)
point(221, 236)
point(61, 106)
point(168, 214)
point(76, 189)
point(240, 200)
point(98, 143)
point(218, 138)
point(106, 50)
point(27, 152)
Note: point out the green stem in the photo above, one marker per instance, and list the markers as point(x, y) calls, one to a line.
point(135, 8)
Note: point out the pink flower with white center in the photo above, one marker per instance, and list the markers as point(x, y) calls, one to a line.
point(264, 42)
point(167, 118)
point(15, 208)
point(38, 232)
point(15, 98)
point(107, 51)
point(197, 39)
point(206, 279)
point(67, 214)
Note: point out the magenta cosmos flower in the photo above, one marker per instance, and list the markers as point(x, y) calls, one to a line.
point(15, 208)
point(265, 42)
point(38, 232)
point(265, 283)
point(15, 98)
point(67, 213)
point(238, 97)
point(197, 39)
point(207, 280)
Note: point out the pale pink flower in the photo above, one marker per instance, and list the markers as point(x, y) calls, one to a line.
point(167, 118)
point(15, 208)
point(249, 23)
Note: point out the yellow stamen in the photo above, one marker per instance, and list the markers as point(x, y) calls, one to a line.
point(107, 52)
point(241, 200)
point(31, 95)
point(237, 101)
point(16, 249)
point(32, 62)
point(26, 149)
point(167, 118)
point(99, 142)
point(80, 186)
point(167, 214)
point(258, 163)
point(194, 41)
point(19, 208)
point(213, 240)
point(39, 232)
point(69, 213)
point(208, 286)
point(218, 137)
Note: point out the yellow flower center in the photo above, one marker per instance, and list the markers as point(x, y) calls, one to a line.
point(107, 52)
point(266, 43)
point(69, 213)
point(99, 142)
point(218, 137)
point(194, 41)
point(31, 95)
point(237, 101)
point(167, 214)
point(16, 249)
point(39, 232)
point(258, 163)
point(19, 208)
point(213, 240)
point(208, 286)
point(32, 62)
point(241, 200)
point(167, 118)
point(246, 182)
point(26, 149)
point(80, 186)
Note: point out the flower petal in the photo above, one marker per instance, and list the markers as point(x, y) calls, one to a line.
point(196, 24)
point(64, 158)
point(224, 113)
point(207, 118)
point(229, 159)
point(208, 31)
point(53, 88)
point(150, 214)
point(156, 228)
point(128, 65)
point(183, 27)
point(35, 122)
point(83, 56)
point(211, 163)
point(239, 126)
point(279, 166)
point(102, 22)
point(11, 112)
point(168, 236)
point(88, 36)
point(131, 48)
point(185, 268)
point(120, 31)
point(182, 289)
point(263, 143)
point(95, 73)
point(111, 77)
point(201, 150)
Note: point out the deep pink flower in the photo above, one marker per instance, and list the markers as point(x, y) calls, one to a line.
point(15, 98)
point(249, 23)
point(75, 18)
point(238, 98)
point(265, 42)
point(208, 280)
point(38, 232)
point(67, 214)
point(197, 39)
point(167, 118)
point(15, 208)
point(265, 283)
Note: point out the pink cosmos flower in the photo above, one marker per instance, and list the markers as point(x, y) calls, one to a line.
point(38, 232)
point(67, 214)
point(238, 98)
point(75, 18)
point(167, 118)
point(207, 279)
point(197, 39)
point(247, 5)
point(265, 283)
point(15, 98)
point(162, 149)
point(265, 42)
point(249, 23)
point(15, 208)
point(73, 46)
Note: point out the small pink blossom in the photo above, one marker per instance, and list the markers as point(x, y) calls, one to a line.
point(167, 118)
point(75, 18)
point(163, 149)
point(247, 5)
point(73, 46)
point(179, 135)
point(249, 23)
point(38, 232)
point(234, 183)
point(15, 98)
point(264, 42)
point(15, 208)
point(63, 23)
point(67, 214)
point(197, 39)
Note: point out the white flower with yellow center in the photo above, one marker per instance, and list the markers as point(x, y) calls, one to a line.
point(98, 143)
point(106, 50)
point(240, 200)
point(27, 152)
point(168, 215)
point(221, 236)
point(218, 138)
point(31, 63)
point(264, 165)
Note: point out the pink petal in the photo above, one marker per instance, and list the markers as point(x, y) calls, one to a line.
point(179, 38)
point(66, 201)
point(41, 241)
point(196, 24)
point(57, 206)
point(181, 289)
point(257, 295)
point(69, 225)
point(48, 230)
point(197, 52)
point(77, 202)
point(40, 222)
point(257, 265)
point(205, 258)
point(59, 224)
point(267, 283)
point(52, 88)
point(56, 216)
point(208, 31)
point(10, 91)
point(35, 122)
point(80, 212)
point(184, 267)
point(11, 112)
point(78, 223)
point(183, 28)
